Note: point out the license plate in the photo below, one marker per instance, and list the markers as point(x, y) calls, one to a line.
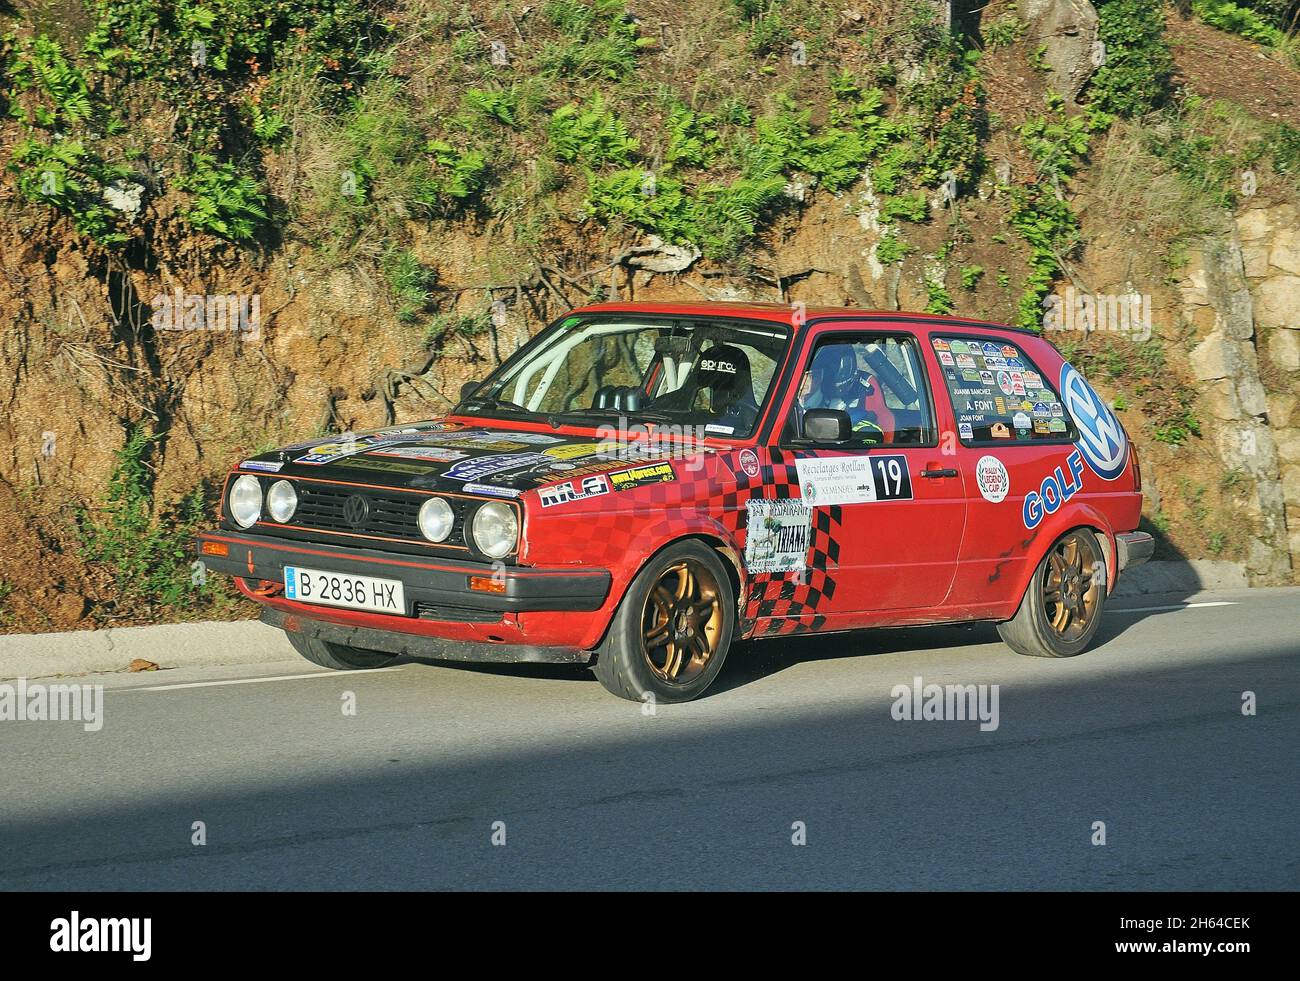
point(338, 589)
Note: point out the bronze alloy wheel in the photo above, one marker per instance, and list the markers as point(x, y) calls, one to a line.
point(682, 623)
point(1071, 587)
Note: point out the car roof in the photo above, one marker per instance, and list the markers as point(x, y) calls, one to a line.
point(783, 313)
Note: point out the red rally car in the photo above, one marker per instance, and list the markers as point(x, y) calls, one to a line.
point(642, 484)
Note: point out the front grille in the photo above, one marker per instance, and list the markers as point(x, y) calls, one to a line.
point(456, 614)
point(390, 515)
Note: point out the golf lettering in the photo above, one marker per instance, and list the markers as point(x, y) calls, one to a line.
point(1057, 488)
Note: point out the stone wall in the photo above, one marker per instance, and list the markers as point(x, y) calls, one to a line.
point(1239, 301)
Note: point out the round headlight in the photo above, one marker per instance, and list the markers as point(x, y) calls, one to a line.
point(246, 501)
point(436, 519)
point(282, 500)
point(496, 529)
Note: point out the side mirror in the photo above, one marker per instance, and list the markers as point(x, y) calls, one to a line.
point(827, 426)
point(468, 389)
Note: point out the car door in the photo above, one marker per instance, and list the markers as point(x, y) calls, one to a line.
point(1015, 448)
point(889, 506)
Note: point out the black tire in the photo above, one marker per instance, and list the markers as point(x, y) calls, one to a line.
point(337, 657)
point(1060, 612)
point(627, 663)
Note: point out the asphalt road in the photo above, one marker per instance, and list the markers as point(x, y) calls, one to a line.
point(1145, 733)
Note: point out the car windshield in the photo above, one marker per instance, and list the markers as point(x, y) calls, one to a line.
point(715, 374)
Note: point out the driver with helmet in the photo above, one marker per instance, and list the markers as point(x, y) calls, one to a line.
point(834, 382)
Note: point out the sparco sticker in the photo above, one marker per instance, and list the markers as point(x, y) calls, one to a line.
point(993, 479)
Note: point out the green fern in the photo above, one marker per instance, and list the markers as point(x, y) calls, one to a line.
point(591, 133)
point(225, 202)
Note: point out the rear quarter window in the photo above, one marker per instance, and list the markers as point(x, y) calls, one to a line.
point(999, 396)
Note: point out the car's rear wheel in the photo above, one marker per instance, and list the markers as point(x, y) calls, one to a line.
point(672, 631)
point(338, 657)
point(1062, 605)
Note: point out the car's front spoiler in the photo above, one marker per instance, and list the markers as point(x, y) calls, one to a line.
point(1135, 547)
point(434, 583)
point(417, 645)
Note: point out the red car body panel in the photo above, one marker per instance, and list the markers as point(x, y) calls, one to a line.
point(947, 554)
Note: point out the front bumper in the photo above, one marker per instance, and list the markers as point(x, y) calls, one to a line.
point(422, 645)
point(431, 586)
point(1134, 548)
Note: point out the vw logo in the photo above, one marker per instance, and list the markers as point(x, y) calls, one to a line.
point(356, 509)
point(1101, 437)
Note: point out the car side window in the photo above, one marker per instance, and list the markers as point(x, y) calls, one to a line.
point(998, 394)
point(876, 379)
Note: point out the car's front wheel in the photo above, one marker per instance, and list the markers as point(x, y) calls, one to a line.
point(338, 657)
point(671, 633)
point(1062, 605)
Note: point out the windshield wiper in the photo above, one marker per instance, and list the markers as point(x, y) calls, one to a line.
point(637, 415)
point(514, 408)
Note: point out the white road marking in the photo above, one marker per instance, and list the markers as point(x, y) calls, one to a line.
point(337, 674)
point(1176, 606)
point(259, 681)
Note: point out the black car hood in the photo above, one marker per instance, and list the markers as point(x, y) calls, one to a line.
point(456, 457)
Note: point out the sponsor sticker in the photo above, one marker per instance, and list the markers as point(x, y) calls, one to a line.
point(438, 454)
point(483, 466)
point(992, 478)
point(1020, 420)
point(999, 430)
point(720, 429)
point(854, 479)
point(777, 535)
point(265, 465)
point(940, 344)
point(945, 357)
point(749, 463)
point(653, 473)
point(573, 451)
point(970, 375)
point(491, 490)
point(965, 431)
point(323, 453)
point(1004, 383)
point(578, 489)
point(389, 466)
point(965, 361)
point(960, 347)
